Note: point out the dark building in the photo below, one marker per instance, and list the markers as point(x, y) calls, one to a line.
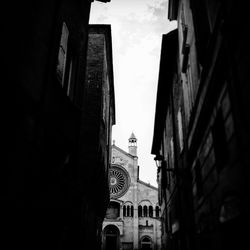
point(168, 147)
point(201, 133)
point(44, 195)
point(97, 120)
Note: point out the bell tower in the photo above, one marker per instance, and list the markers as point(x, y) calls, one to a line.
point(132, 145)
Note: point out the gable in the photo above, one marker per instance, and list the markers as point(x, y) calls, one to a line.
point(120, 157)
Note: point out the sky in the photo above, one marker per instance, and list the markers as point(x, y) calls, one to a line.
point(137, 27)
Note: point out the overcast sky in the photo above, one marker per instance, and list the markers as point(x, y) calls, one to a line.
point(137, 27)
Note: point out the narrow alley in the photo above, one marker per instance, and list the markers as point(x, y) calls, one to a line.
point(67, 180)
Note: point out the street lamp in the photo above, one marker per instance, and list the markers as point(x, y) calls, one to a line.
point(160, 162)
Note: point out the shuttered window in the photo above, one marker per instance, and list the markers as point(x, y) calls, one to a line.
point(62, 54)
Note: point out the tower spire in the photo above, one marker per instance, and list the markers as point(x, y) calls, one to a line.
point(132, 145)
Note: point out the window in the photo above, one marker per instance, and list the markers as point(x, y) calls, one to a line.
point(167, 173)
point(157, 212)
point(128, 210)
point(186, 96)
point(185, 33)
point(186, 51)
point(70, 82)
point(190, 83)
point(201, 27)
point(219, 140)
point(140, 211)
point(124, 211)
point(180, 129)
point(62, 54)
point(172, 151)
point(145, 211)
point(185, 46)
point(150, 211)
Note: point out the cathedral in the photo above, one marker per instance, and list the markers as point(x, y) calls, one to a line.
point(132, 219)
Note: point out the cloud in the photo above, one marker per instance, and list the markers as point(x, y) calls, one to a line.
point(160, 10)
point(137, 28)
point(131, 20)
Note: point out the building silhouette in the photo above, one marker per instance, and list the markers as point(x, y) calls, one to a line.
point(95, 142)
point(201, 132)
point(47, 146)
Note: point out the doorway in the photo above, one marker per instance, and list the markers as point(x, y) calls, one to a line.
point(146, 243)
point(111, 238)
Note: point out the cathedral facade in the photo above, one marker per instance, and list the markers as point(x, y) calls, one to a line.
point(133, 217)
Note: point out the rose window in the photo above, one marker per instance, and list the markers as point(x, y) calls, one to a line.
point(119, 181)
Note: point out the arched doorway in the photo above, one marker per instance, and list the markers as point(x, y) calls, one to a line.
point(111, 238)
point(146, 243)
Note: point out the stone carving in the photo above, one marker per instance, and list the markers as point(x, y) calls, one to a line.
point(118, 159)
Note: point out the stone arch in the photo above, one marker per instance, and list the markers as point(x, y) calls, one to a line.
point(111, 238)
point(145, 202)
point(146, 243)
